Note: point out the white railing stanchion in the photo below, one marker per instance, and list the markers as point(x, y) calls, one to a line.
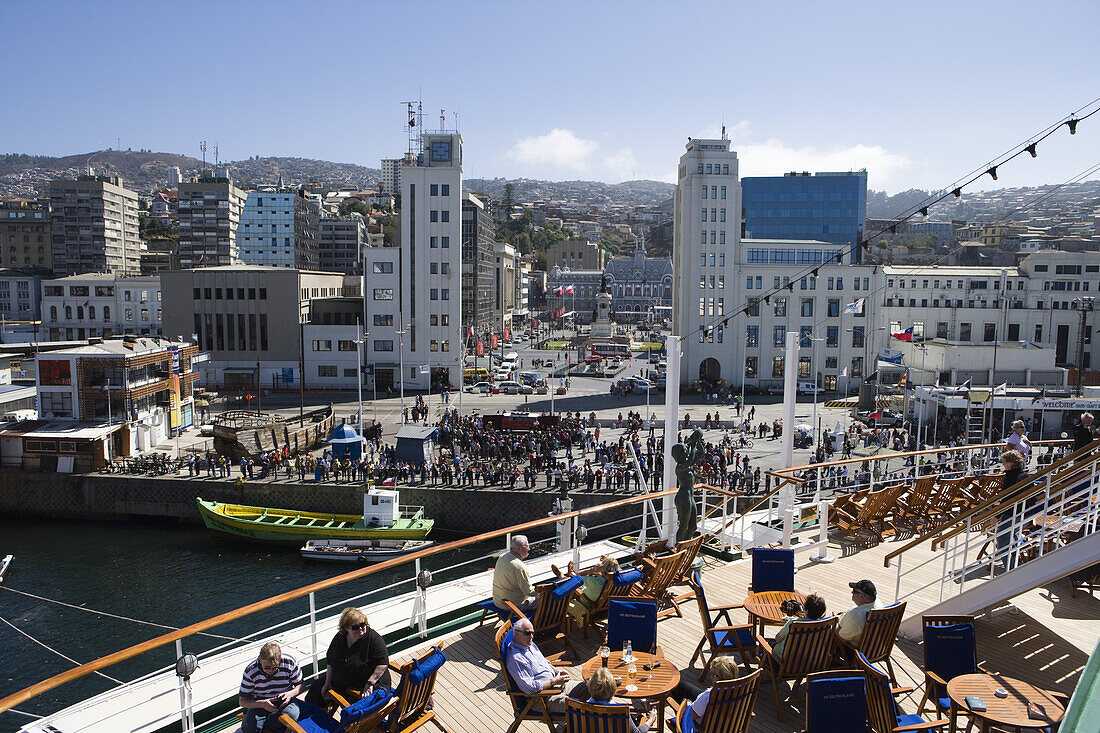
point(187, 713)
point(823, 533)
point(313, 628)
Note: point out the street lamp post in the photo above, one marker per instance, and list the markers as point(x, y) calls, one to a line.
point(359, 376)
point(1083, 306)
point(401, 368)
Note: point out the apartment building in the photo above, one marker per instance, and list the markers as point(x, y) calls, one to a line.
point(19, 297)
point(99, 305)
point(26, 240)
point(576, 254)
point(340, 244)
point(210, 214)
point(279, 228)
point(94, 226)
point(478, 233)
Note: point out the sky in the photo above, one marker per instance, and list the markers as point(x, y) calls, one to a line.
point(919, 94)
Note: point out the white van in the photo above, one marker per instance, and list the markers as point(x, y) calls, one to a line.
point(809, 388)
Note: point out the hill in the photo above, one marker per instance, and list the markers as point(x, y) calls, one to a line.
point(629, 193)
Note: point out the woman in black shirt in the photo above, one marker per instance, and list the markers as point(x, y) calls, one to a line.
point(357, 660)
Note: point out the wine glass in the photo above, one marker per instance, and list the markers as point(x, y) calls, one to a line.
point(605, 652)
point(632, 672)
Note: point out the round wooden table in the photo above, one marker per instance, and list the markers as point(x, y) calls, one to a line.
point(763, 608)
point(654, 683)
point(1008, 711)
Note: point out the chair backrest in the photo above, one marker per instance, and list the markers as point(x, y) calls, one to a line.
point(881, 631)
point(691, 551)
point(836, 702)
point(553, 602)
point(366, 715)
point(701, 599)
point(950, 650)
point(663, 572)
point(619, 585)
point(809, 645)
point(634, 620)
point(585, 717)
point(882, 710)
point(414, 690)
point(730, 707)
point(772, 569)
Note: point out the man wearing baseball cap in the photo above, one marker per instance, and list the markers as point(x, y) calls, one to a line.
point(851, 623)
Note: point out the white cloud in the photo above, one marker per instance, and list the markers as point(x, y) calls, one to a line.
point(620, 166)
point(774, 157)
point(558, 149)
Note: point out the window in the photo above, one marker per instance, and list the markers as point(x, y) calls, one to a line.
point(989, 332)
point(58, 403)
point(779, 336)
point(748, 282)
point(723, 192)
point(446, 241)
point(830, 362)
point(383, 294)
point(434, 215)
point(344, 345)
point(777, 367)
point(857, 338)
point(805, 336)
point(446, 293)
point(1014, 332)
point(834, 307)
point(804, 367)
point(704, 191)
point(752, 336)
point(384, 268)
point(964, 332)
point(322, 345)
point(433, 190)
point(832, 336)
point(750, 367)
point(704, 217)
point(445, 189)
point(857, 367)
point(779, 308)
point(383, 345)
point(326, 370)
point(433, 345)
point(1038, 332)
point(263, 293)
point(54, 372)
point(445, 215)
point(807, 307)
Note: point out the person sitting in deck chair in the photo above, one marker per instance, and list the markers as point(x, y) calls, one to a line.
point(268, 688)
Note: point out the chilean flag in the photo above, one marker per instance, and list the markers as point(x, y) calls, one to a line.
point(568, 290)
point(559, 290)
point(906, 335)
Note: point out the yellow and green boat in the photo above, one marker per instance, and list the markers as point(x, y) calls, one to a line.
point(267, 525)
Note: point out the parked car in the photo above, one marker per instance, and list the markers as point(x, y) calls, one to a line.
point(776, 388)
point(480, 387)
point(502, 375)
point(513, 388)
point(809, 388)
point(880, 419)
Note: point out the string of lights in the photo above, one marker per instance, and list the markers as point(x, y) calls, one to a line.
point(1030, 146)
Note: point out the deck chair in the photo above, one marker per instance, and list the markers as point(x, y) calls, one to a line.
point(772, 570)
point(583, 717)
point(883, 715)
point(618, 585)
point(835, 701)
point(880, 631)
point(551, 616)
point(658, 574)
point(728, 711)
point(808, 649)
point(909, 507)
point(524, 706)
point(414, 693)
point(633, 620)
point(724, 636)
point(489, 607)
point(950, 650)
point(691, 551)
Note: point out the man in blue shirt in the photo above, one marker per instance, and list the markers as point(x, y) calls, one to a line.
point(533, 673)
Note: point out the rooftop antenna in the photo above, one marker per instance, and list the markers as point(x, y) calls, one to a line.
point(455, 114)
point(216, 159)
point(413, 121)
point(202, 147)
point(442, 120)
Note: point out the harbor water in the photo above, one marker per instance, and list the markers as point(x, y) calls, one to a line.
point(167, 574)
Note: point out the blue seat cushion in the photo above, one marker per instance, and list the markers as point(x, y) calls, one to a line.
point(687, 721)
point(909, 720)
point(566, 587)
point(491, 607)
point(944, 703)
point(424, 669)
point(735, 639)
point(313, 719)
point(627, 577)
point(367, 705)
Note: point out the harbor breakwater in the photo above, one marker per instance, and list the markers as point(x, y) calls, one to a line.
point(121, 497)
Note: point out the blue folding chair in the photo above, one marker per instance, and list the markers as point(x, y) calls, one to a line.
point(772, 570)
point(725, 637)
point(883, 714)
point(489, 607)
point(836, 702)
point(634, 620)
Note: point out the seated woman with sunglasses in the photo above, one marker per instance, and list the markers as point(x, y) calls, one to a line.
point(357, 660)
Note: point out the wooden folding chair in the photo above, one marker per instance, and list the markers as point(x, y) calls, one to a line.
point(728, 711)
point(880, 631)
point(618, 585)
point(662, 571)
point(883, 715)
point(911, 505)
point(808, 649)
point(551, 617)
point(584, 717)
point(719, 630)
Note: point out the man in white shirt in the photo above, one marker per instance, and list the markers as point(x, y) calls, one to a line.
point(851, 623)
point(533, 673)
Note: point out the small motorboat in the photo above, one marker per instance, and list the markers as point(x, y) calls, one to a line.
point(361, 551)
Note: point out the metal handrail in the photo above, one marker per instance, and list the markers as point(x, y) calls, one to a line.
point(136, 650)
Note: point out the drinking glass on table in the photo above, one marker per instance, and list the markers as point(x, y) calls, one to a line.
point(632, 672)
point(605, 652)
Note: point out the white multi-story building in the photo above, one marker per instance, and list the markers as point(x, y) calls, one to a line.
point(391, 174)
point(279, 228)
point(706, 238)
point(99, 305)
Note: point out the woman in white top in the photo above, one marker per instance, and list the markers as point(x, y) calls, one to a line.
point(1018, 440)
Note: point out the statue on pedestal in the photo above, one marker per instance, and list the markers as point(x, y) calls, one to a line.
point(686, 456)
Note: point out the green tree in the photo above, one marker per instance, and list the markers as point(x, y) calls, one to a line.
point(509, 198)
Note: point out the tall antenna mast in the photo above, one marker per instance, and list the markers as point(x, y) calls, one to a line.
point(217, 160)
point(442, 120)
point(414, 120)
point(202, 147)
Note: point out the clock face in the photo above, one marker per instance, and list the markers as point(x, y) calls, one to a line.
point(441, 151)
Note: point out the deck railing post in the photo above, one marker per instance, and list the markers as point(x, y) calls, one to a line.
point(187, 714)
point(823, 533)
point(313, 628)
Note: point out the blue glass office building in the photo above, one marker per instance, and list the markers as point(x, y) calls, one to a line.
point(828, 207)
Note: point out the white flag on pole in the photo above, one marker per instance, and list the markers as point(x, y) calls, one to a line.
point(1001, 391)
point(854, 308)
point(844, 372)
point(424, 369)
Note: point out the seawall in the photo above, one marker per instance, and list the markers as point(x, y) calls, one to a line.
point(107, 497)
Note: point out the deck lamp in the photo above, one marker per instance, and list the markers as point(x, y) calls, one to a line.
point(992, 172)
point(581, 533)
point(924, 211)
point(1031, 150)
point(957, 192)
point(186, 666)
point(1072, 124)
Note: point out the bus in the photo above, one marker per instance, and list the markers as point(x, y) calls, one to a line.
point(611, 351)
